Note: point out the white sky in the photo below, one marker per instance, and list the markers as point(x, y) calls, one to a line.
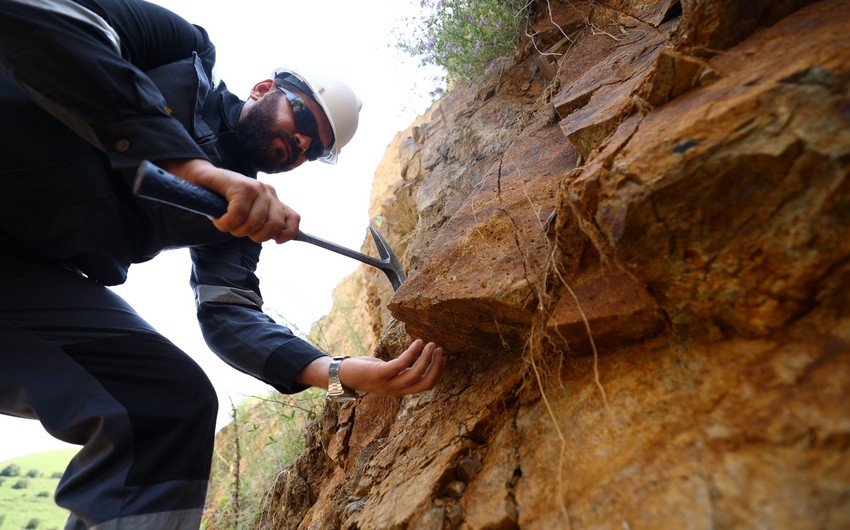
point(351, 39)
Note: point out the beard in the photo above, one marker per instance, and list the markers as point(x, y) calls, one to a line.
point(254, 133)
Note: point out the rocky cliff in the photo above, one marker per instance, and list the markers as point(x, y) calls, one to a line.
point(633, 241)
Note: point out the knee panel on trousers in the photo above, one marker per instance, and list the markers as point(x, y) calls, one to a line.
point(171, 403)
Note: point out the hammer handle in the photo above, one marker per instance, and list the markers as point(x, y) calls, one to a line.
point(153, 182)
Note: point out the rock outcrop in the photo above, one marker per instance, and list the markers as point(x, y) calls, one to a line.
point(635, 245)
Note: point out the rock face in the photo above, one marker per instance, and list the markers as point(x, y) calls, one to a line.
point(637, 253)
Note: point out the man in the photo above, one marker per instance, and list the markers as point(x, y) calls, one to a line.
point(88, 90)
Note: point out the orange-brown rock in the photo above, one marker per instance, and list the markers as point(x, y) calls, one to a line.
point(638, 258)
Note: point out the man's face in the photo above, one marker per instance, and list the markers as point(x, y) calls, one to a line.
point(268, 135)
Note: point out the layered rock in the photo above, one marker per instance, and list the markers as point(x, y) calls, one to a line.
point(637, 257)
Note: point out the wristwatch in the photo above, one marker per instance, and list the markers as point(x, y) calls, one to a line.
point(337, 392)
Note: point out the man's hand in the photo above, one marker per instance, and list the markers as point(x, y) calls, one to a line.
point(416, 370)
point(253, 209)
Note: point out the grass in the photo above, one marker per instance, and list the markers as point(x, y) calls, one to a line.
point(267, 434)
point(21, 507)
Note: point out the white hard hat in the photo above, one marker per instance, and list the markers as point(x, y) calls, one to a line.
point(340, 103)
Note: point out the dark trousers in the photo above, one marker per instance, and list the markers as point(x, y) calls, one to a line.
point(78, 358)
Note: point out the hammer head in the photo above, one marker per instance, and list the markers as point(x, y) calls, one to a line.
point(389, 261)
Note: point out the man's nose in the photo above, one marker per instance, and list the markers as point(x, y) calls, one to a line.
point(302, 141)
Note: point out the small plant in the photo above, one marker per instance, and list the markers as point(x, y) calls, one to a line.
point(21, 484)
point(465, 37)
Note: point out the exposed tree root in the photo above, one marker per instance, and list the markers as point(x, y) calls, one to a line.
point(596, 378)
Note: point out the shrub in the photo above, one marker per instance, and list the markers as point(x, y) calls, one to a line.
point(33, 473)
point(271, 430)
point(12, 470)
point(21, 484)
point(43, 494)
point(33, 524)
point(465, 37)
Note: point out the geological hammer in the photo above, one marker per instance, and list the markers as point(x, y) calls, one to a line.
point(153, 182)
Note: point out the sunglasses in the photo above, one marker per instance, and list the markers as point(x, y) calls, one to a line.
point(305, 123)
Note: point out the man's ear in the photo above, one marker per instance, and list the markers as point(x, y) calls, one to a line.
point(262, 88)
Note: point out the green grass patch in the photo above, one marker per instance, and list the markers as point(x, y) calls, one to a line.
point(26, 491)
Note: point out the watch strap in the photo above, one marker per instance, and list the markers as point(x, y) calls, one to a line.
point(337, 392)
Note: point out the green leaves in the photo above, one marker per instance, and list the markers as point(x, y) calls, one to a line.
point(467, 38)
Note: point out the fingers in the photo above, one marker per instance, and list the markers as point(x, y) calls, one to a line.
point(421, 375)
point(416, 370)
point(267, 219)
point(255, 211)
point(289, 224)
point(426, 371)
point(432, 361)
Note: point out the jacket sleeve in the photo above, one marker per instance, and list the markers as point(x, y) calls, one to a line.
point(234, 326)
point(83, 62)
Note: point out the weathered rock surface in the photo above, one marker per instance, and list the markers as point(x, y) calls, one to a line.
point(638, 258)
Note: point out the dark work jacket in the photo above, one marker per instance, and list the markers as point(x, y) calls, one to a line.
point(63, 201)
point(68, 161)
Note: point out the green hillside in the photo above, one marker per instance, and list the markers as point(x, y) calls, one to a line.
point(27, 485)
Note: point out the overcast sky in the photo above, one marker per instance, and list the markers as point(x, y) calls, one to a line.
point(353, 40)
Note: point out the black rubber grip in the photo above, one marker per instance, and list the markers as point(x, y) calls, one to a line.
point(153, 182)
